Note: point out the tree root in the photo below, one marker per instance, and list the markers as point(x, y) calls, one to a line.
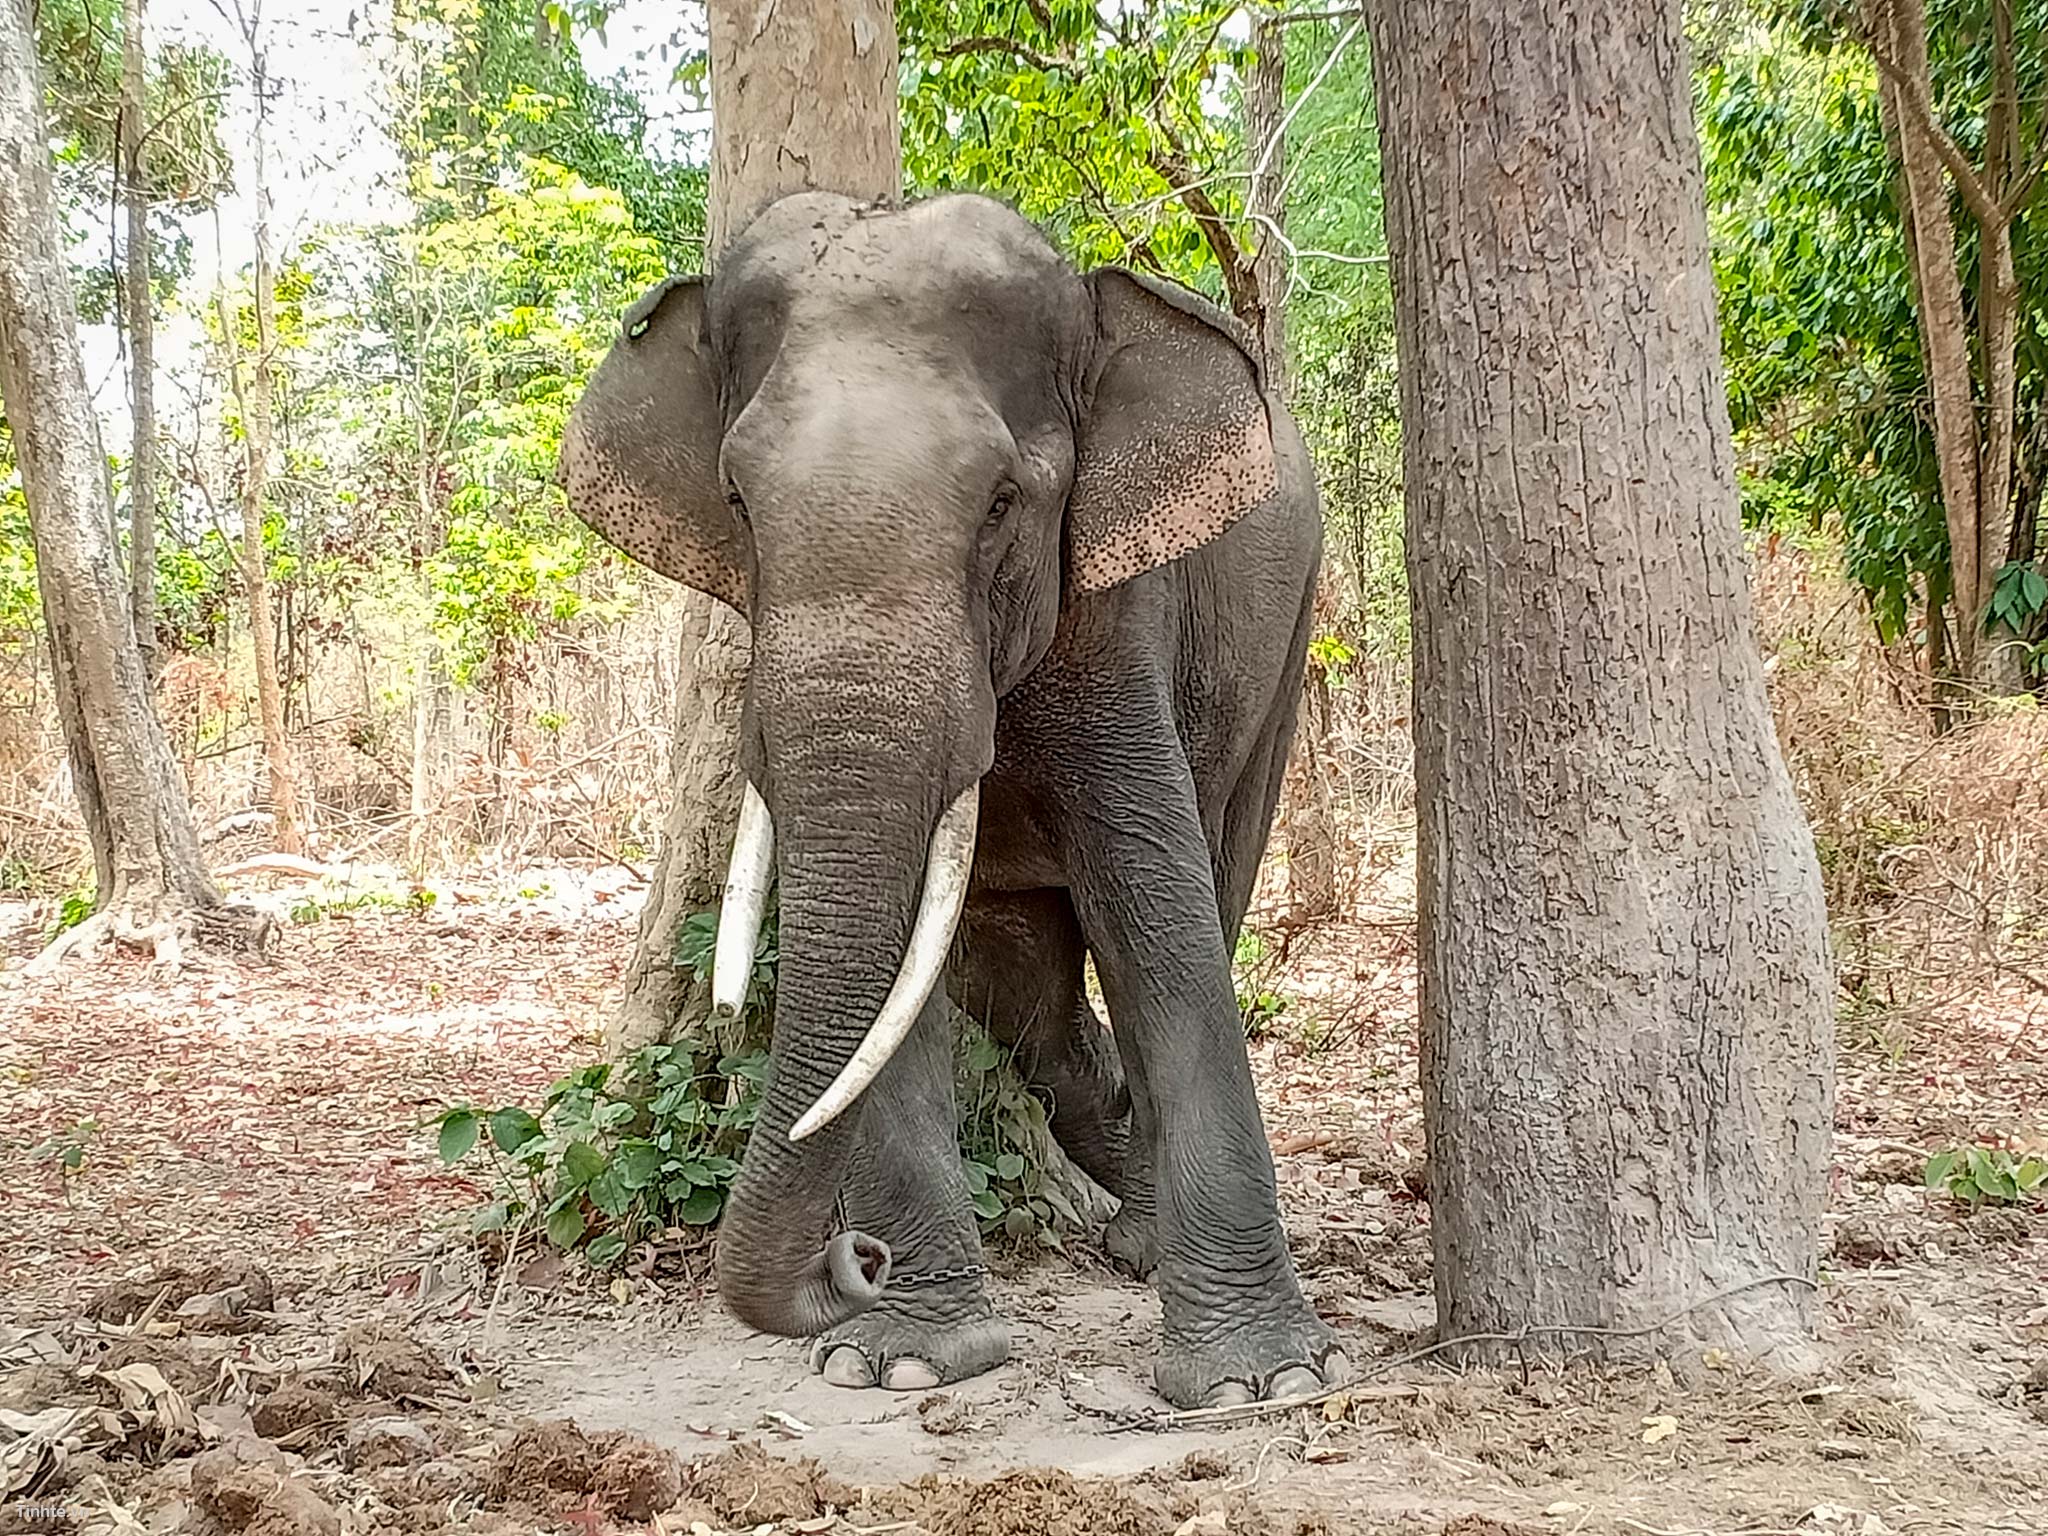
point(168, 933)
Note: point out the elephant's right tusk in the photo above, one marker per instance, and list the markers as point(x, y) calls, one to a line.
point(946, 872)
point(746, 898)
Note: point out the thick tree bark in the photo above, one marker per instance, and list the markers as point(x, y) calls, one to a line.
point(252, 389)
point(153, 886)
point(803, 97)
point(1627, 1011)
point(139, 313)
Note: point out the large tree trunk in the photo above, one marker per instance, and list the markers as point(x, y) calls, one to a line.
point(153, 886)
point(803, 97)
point(139, 313)
point(1627, 1020)
point(252, 388)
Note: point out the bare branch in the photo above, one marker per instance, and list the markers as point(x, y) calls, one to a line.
point(1008, 45)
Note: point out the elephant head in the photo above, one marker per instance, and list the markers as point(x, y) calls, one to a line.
point(902, 441)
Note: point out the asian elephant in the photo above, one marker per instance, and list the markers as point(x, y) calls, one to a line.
point(1029, 559)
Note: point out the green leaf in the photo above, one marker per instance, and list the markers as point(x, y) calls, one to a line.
point(458, 1134)
point(976, 1174)
point(581, 1162)
point(638, 1164)
point(491, 1218)
point(2031, 1174)
point(566, 1226)
point(1938, 1168)
point(609, 1194)
point(604, 1250)
point(1010, 1166)
point(1018, 1223)
point(702, 1208)
point(988, 1204)
point(513, 1128)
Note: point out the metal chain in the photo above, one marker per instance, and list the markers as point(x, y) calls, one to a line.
point(911, 1282)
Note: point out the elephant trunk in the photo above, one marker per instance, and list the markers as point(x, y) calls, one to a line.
point(853, 867)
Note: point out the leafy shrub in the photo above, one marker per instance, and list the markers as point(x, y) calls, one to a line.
point(1254, 970)
point(1004, 1145)
point(618, 1153)
point(1977, 1176)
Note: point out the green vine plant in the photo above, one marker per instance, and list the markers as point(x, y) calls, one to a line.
point(618, 1154)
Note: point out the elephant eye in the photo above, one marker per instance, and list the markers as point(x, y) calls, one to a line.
point(736, 501)
point(1000, 507)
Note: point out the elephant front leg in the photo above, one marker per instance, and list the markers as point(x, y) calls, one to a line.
point(934, 1323)
point(1235, 1324)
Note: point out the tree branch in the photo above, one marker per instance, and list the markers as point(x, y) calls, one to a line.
point(1912, 90)
point(1022, 52)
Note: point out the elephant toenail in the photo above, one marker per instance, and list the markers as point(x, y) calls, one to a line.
point(909, 1375)
point(848, 1367)
point(1295, 1381)
point(1229, 1394)
point(1335, 1368)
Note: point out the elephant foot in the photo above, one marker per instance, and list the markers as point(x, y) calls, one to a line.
point(1292, 1356)
point(1131, 1240)
point(901, 1347)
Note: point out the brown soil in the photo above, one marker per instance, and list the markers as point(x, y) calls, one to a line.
point(259, 1135)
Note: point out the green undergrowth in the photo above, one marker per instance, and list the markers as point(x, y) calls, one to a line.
point(618, 1154)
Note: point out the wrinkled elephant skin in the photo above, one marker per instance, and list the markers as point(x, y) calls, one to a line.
point(993, 523)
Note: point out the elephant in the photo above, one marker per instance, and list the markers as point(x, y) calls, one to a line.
point(1029, 558)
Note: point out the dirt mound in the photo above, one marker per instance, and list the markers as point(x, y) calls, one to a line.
point(550, 1464)
point(1041, 1502)
point(246, 1489)
point(746, 1486)
point(382, 1360)
point(212, 1297)
point(298, 1410)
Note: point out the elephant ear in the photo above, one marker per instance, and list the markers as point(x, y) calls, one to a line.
point(640, 454)
point(1177, 444)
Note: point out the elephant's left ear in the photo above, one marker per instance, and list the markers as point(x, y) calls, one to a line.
point(1177, 444)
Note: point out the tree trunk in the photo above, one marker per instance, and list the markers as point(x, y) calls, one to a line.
point(1308, 813)
point(253, 402)
point(803, 97)
point(138, 308)
point(1899, 27)
point(153, 887)
point(1627, 1010)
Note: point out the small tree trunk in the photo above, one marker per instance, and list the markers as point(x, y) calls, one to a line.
point(139, 313)
point(803, 97)
point(253, 401)
point(153, 886)
point(1627, 1011)
point(1900, 28)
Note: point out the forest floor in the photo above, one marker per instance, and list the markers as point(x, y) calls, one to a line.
point(259, 1257)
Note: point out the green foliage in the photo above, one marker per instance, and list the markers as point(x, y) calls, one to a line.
point(1827, 389)
point(1004, 1137)
point(1979, 1175)
point(74, 909)
point(1255, 967)
point(506, 91)
point(615, 1156)
point(79, 43)
point(68, 1149)
point(20, 601)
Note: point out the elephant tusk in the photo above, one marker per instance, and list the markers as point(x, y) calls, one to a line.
point(746, 898)
point(946, 871)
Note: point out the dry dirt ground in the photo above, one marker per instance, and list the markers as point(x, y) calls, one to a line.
point(251, 1307)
